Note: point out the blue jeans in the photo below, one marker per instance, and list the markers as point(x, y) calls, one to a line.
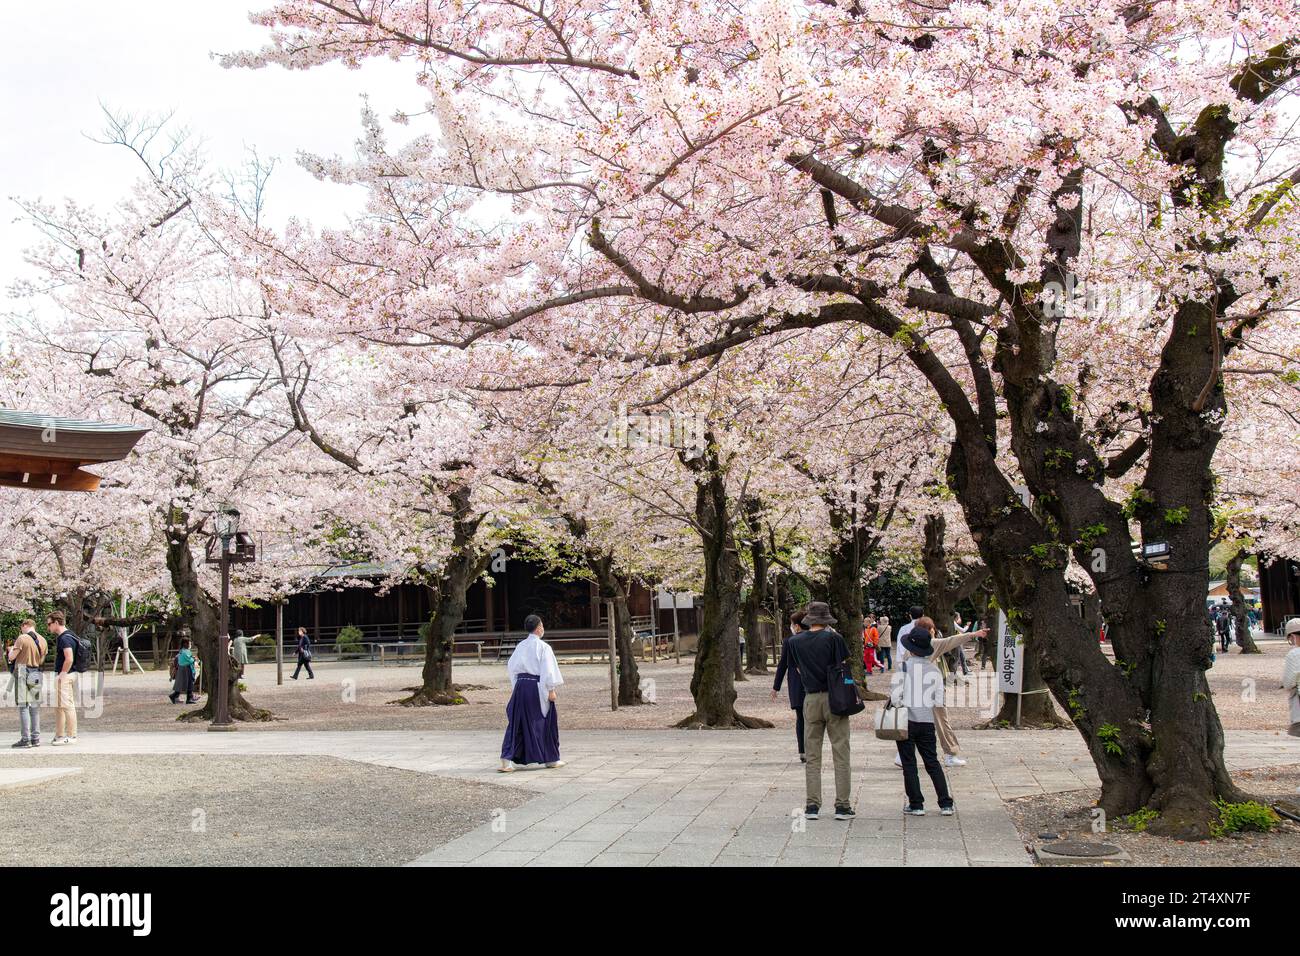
point(29, 722)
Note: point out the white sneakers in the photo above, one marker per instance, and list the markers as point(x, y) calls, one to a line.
point(555, 763)
point(950, 760)
point(61, 741)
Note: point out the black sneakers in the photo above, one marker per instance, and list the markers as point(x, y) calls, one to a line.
point(844, 813)
point(810, 811)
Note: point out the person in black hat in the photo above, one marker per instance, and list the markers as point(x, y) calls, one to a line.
point(812, 652)
point(920, 691)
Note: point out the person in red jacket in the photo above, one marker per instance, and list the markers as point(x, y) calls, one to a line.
point(870, 638)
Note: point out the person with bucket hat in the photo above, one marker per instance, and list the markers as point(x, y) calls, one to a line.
point(813, 652)
point(919, 688)
point(942, 728)
point(1291, 674)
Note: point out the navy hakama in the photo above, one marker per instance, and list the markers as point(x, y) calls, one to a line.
point(531, 736)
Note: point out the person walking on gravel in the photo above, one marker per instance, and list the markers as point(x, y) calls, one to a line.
point(304, 655)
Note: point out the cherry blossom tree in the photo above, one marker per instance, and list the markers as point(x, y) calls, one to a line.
point(686, 179)
point(138, 312)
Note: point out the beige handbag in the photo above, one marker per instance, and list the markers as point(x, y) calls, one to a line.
point(891, 722)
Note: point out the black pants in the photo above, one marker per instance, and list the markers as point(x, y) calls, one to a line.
point(921, 737)
point(303, 662)
point(798, 727)
point(886, 656)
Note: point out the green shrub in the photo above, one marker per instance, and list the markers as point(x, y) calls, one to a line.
point(1139, 821)
point(349, 641)
point(1237, 817)
point(1108, 734)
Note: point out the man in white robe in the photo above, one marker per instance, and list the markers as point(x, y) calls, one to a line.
point(532, 727)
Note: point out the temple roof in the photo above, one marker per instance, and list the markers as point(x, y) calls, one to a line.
point(46, 453)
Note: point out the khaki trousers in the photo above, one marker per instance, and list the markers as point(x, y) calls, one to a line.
point(817, 718)
point(943, 730)
point(65, 718)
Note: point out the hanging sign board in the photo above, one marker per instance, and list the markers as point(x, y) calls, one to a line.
point(684, 599)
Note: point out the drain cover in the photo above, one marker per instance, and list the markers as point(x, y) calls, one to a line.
point(1081, 848)
point(1079, 851)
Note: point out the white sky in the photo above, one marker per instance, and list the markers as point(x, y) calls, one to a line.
point(60, 59)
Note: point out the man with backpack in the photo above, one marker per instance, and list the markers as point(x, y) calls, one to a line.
point(71, 659)
point(26, 655)
point(814, 653)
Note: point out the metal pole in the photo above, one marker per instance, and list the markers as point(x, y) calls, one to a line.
point(654, 631)
point(677, 636)
point(613, 677)
point(279, 642)
point(221, 714)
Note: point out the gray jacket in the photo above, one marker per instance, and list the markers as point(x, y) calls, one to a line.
point(918, 687)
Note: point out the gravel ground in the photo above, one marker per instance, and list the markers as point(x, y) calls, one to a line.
point(286, 811)
point(1068, 816)
point(359, 695)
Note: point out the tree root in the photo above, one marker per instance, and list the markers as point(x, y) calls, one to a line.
point(735, 721)
point(241, 711)
point(427, 697)
point(1053, 722)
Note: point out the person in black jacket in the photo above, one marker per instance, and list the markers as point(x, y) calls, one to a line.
point(304, 654)
point(812, 653)
point(793, 685)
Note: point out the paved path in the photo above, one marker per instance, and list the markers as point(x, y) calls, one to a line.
point(13, 777)
point(663, 798)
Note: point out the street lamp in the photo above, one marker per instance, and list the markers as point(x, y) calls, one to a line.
point(233, 548)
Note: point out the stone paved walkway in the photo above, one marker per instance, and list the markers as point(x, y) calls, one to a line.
point(664, 798)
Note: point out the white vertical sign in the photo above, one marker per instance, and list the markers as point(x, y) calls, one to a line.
point(1011, 658)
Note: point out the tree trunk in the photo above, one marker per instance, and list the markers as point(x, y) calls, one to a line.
point(201, 617)
point(1147, 719)
point(447, 600)
point(844, 595)
point(939, 599)
point(1240, 621)
point(759, 591)
point(612, 589)
point(713, 681)
point(856, 529)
